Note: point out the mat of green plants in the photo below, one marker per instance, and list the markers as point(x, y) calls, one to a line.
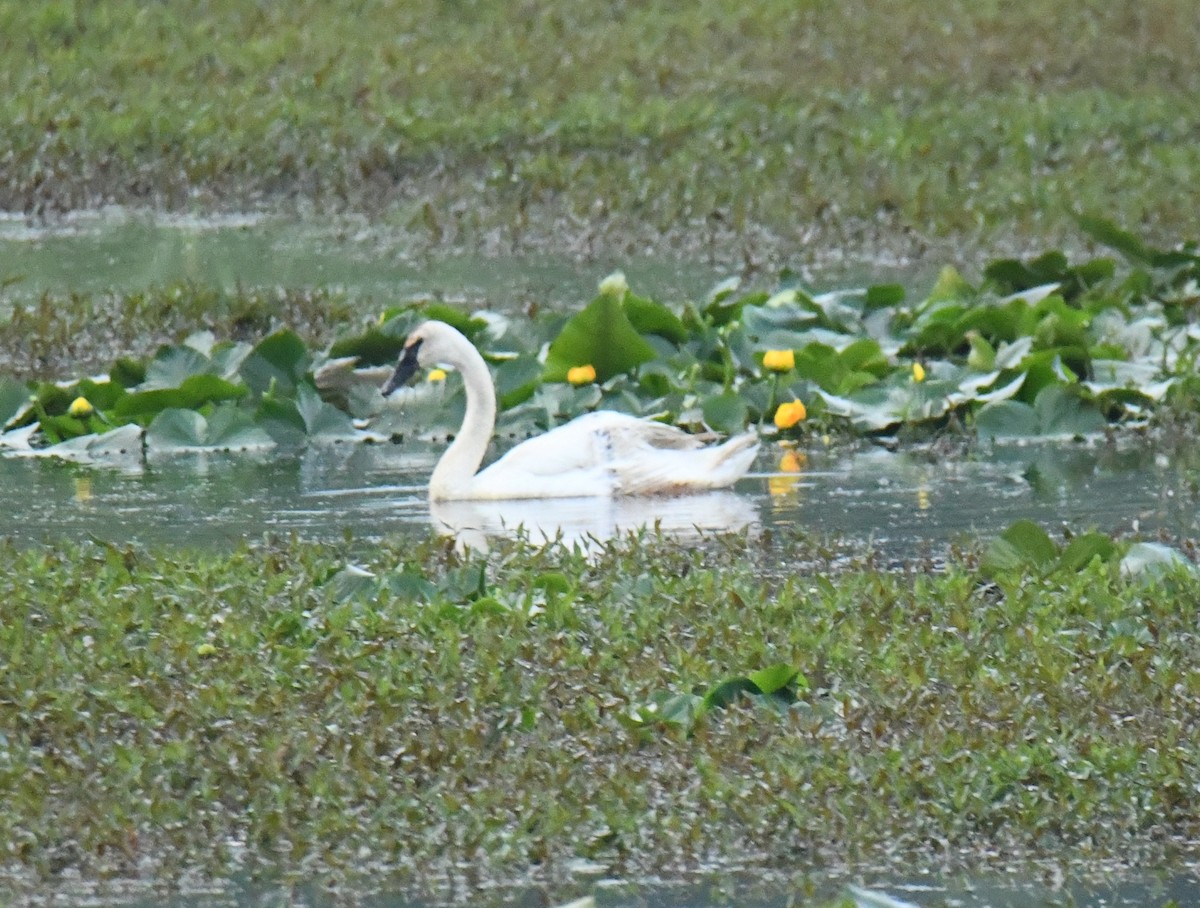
point(393, 715)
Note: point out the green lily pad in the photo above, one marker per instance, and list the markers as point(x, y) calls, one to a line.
point(228, 428)
point(278, 361)
point(600, 336)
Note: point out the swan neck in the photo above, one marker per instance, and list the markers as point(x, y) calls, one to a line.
point(453, 474)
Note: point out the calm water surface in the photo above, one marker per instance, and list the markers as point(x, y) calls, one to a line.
point(898, 502)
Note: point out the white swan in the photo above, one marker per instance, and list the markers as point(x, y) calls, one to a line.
point(597, 454)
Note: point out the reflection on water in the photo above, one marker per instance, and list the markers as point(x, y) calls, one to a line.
point(586, 520)
point(743, 889)
point(901, 503)
point(123, 250)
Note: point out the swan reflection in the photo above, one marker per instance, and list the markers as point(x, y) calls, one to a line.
point(591, 520)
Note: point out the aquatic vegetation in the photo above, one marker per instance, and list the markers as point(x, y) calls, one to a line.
point(695, 126)
point(789, 414)
point(1042, 348)
point(398, 710)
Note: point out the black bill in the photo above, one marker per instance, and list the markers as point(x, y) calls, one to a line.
point(405, 369)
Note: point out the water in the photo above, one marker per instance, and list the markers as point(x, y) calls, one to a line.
point(1023, 889)
point(126, 251)
point(901, 503)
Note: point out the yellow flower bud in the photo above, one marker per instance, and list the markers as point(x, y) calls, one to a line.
point(615, 285)
point(206, 649)
point(437, 374)
point(81, 407)
point(789, 414)
point(779, 360)
point(918, 372)
point(581, 375)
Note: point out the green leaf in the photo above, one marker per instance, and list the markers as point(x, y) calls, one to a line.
point(1006, 419)
point(1061, 412)
point(322, 420)
point(776, 678)
point(279, 360)
point(517, 379)
point(128, 373)
point(881, 296)
point(650, 317)
point(1023, 545)
point(194, 392)
point(950, 285)
point(721, 695)
point(186, 430)
point(176, 429)
point(172, 365)
point(725, 412)
point(601, 336)
point(1081, 550)
point(375, 347)
point(280, 418)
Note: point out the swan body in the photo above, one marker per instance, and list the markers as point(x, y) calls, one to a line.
point(601, 454)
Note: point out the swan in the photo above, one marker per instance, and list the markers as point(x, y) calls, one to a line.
point(598, 454)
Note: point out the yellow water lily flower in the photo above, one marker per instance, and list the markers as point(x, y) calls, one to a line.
point(918, 372)
point(790, 413)
point(81, 407)
point(581, 375)
point(437, 374)
point(779, 360)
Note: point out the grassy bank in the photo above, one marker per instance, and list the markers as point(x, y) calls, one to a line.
point(613, 124)
point(167, 712)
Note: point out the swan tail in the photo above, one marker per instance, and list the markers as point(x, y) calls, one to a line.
point(731, 460)
point(672, 472)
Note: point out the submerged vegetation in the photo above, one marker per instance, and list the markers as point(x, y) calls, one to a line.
point(405, 711)
point(1040, 348)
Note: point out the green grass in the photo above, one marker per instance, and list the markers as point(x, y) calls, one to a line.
point(167, 712)
point(572, 124)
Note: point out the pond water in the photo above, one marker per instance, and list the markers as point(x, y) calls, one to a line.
point(1027, 889)
point(123, 250)
point(901, 503)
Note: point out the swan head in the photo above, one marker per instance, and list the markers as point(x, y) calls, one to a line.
point(428, 344)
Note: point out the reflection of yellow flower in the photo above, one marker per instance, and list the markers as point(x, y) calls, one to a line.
point(81, 407)
point(918, 372)
point(779, 360)
point(793, 461)
point(83, 489)
point(581, 375)
point(791, 464)
point(789, 414)
point(437, 374)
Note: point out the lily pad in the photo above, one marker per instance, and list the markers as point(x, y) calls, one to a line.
point(601, 336)
point(186, 430)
